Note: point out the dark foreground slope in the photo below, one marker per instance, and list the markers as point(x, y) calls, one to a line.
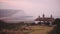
point(56, 29)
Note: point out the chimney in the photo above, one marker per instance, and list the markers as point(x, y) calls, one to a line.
point(43, 16)
point(51, 15)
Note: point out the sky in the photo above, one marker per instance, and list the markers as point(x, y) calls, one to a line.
point(33, 7)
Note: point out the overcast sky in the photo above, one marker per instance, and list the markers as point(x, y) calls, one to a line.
point(33, 7)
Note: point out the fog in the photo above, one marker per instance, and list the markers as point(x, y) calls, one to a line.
point(32, 7)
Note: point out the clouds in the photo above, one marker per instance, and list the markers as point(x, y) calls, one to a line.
point(33, 7)
point(7, 12)
point(17, 4)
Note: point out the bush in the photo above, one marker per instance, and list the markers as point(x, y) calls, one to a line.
point(2, 24)
point(56, 29)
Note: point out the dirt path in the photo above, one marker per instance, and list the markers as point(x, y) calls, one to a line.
point(40, 29)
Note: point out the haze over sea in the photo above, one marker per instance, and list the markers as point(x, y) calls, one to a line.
point(30, 8)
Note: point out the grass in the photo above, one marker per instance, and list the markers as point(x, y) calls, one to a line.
point(39, 30)
point(36, 29)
